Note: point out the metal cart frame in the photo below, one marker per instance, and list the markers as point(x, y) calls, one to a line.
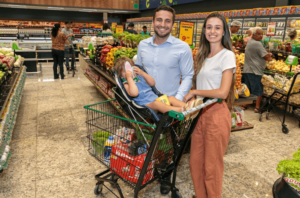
point(71, 54)
point(270, 103)
point(172, 125)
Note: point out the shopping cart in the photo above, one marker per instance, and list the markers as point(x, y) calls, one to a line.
point(283, 97)
point(70, 53)
point(281, 189)
point(137, 152)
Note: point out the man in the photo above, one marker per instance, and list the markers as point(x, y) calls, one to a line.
point(69, 33)
point(130, 28)
point(234, 27)
point(167, 59)
point(255, 63)
point(145, 32)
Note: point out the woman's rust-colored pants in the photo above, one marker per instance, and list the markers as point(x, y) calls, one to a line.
point(209, 143)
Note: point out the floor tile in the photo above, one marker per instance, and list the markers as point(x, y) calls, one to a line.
point(24, 131)
point(79, 185)
point(59, 155)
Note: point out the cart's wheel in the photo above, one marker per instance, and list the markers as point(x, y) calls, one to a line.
point(267, 116)
point(98, 189)
point(260, 117)
point(177, 195)
point(285, 129)
point(1, 170)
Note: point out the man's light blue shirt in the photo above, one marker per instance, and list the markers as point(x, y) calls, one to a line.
point(166, 63)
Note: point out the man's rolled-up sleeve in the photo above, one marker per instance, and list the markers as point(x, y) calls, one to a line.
point(187, 71)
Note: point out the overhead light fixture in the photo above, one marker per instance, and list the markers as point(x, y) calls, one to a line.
point(17, 6)
point(87, 10)
point(55, 8)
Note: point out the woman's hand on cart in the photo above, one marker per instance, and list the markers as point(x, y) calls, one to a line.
point(188, 97)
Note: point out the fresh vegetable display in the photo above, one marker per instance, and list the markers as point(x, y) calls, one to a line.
point(132, 39)
point(291, 169)
point(125, 52)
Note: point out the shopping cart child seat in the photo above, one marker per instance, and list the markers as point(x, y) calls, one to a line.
point(127, 103)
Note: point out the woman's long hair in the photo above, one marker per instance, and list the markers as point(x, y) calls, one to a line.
point(55, 29)
point(204, 50)
point(105, 26)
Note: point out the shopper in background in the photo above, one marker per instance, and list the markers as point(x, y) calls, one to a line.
point(167, 59)
point(130, 28)
point(255, 63)
point(293, 35)
point(247, 39)
point(234, 27)
point(214, 78)
point(145, 32)
point(59, 40)
point(69, 34)
point(106, 28)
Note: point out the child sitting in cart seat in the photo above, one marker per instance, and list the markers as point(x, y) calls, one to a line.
point(138, 86)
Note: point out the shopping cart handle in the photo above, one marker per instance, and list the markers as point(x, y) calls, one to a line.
point(180, 116)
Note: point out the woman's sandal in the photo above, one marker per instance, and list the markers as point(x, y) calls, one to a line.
point(256, 110)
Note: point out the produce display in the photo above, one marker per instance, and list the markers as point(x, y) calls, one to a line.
point(291, 170)
point(281, 66)
point(130, 40)
point(8, 118)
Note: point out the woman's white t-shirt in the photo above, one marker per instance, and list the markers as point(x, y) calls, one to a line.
point(210, 76)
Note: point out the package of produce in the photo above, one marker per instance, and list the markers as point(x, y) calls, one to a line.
point(291, 170)
point(267, 81)
point(296, 86)
point(295, 99)
point(268, 91)
point(243, 91)
point(280, 81)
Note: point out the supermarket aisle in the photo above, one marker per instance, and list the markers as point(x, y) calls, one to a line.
point(50, 158)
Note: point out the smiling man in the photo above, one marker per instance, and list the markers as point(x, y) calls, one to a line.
point(166, 58)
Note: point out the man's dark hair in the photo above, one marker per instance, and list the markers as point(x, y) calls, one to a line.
point(144, 27)
point(131, 24)
point(166, 8)
point(68, 22)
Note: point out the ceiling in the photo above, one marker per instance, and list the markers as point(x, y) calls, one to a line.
point(74, 9)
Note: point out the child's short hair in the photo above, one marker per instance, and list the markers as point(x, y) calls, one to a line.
point(120, 64)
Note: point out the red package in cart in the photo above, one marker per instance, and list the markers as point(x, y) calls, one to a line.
point(239, 120)
point(129, 167)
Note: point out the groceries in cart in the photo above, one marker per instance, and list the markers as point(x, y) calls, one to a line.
point(291, 170)
point(296, 87)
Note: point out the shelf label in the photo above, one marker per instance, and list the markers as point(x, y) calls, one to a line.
point(271, 29)
point(119, 28)
point(113, 26)
point(186, 32)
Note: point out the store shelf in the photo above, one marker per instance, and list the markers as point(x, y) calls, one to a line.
point(101, 72)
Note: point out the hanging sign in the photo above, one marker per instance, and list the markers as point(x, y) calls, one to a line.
point(186, 32)
point(119, 28)
point(271, 29)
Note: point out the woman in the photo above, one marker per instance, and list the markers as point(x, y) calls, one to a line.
point(106, 28)
point(292, 35)
point(247, 39)
point(214, 78)
point(58, 50)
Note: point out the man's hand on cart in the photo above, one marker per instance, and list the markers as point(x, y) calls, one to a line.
point(71, 34)
point(70, 46)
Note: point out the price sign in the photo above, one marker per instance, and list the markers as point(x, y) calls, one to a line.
point(113, 25)
point(271, 29)
point(119, 28)
point(186, 32)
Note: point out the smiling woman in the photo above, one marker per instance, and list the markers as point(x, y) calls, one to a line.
point(214, 78)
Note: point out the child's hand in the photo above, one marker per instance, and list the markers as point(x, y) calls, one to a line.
point(128, 74)
point(138, 71)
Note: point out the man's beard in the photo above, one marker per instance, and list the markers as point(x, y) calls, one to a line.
point(162, 36)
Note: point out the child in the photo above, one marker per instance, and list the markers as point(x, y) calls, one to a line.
point(141, 91)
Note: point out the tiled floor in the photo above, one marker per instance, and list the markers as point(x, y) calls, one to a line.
point(50, 158)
